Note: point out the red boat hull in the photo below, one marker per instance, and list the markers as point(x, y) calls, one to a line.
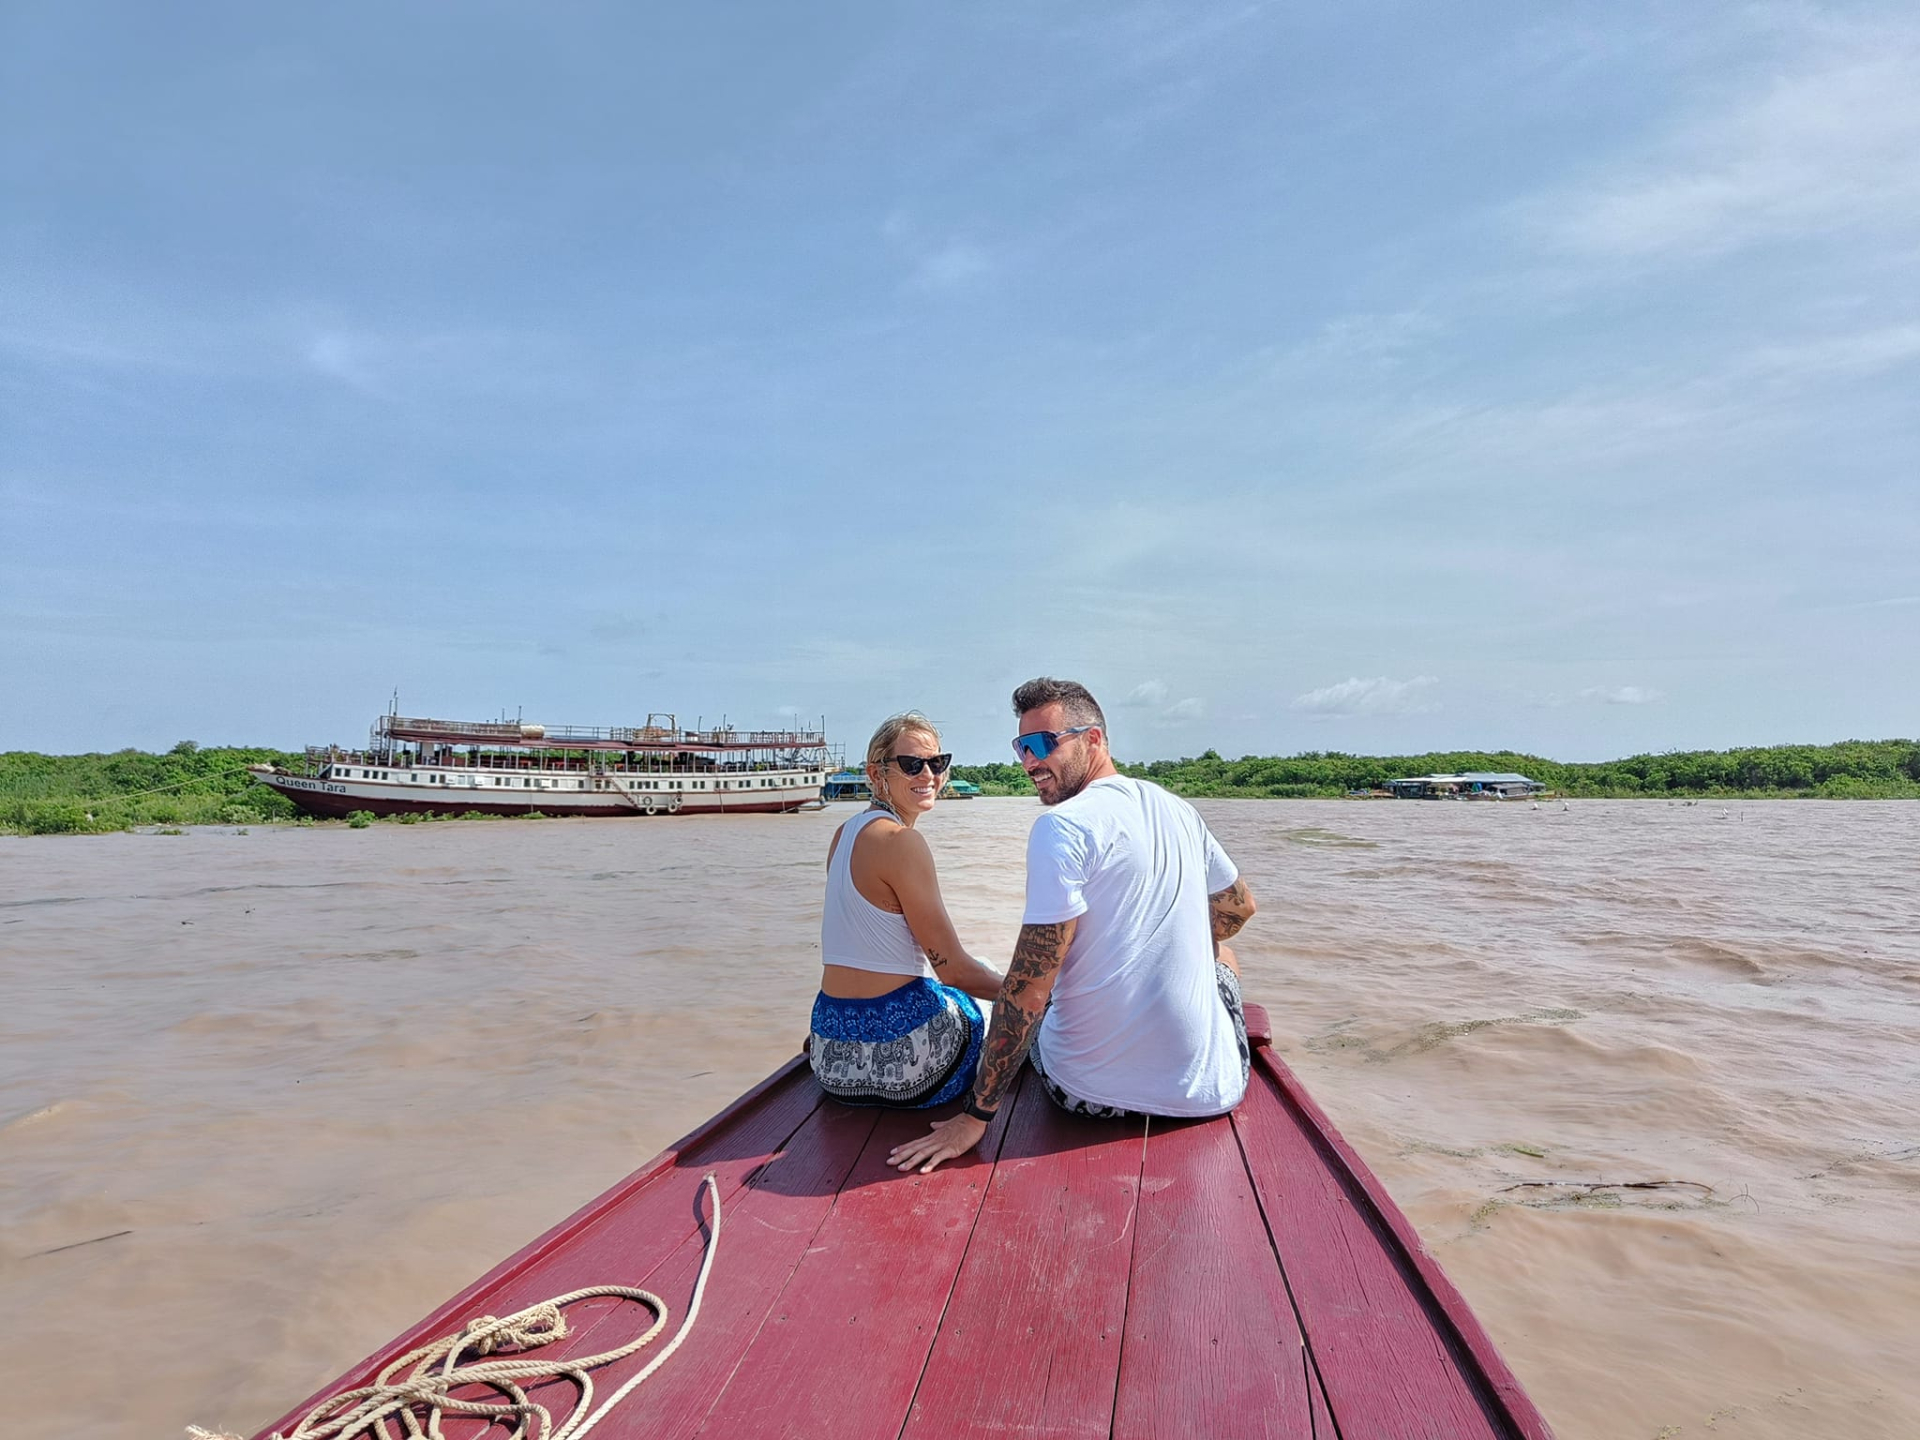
point(1240, 1276)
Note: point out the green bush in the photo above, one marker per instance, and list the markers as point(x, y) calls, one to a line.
point(53, 819)
point(360, 819)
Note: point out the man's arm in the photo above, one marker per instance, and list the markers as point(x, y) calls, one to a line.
point(1228, 910)
point(1023, 1000)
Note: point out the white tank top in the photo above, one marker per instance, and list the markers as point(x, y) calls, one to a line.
point(854, 931)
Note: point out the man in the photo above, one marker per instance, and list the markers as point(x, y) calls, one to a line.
point(1128, 900)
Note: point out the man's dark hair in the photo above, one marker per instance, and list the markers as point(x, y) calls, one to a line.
point(1081, 707)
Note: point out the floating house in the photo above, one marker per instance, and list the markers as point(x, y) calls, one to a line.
point(852, 785)
point(1472, 785)
point(846, 785)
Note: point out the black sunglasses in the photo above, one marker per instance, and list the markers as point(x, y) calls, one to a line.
point(914, 764)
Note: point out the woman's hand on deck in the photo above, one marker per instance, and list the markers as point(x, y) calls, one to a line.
point(947, 1140)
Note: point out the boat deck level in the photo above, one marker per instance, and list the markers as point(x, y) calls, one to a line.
point(1074, 1278)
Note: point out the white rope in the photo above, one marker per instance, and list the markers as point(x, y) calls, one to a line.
point(417, 1399)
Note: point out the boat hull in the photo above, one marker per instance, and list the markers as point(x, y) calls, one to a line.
point(1242, 1275)
point(335, 800)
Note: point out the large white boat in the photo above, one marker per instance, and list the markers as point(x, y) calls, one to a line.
point(459, 767)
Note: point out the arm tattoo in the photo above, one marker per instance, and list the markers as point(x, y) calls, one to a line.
point(1035, 958)
point(1228, 909)
point(934, 958)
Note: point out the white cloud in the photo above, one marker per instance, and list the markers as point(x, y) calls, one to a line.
point(341, 357)
point(935, 263)
point(1858, 354)
point(1740, 405)
point(1378, 340)
point(1151, 695)
point(1378, 696)
point(952, 264)
point(1148, 692)
point(1601, 695)
point(1884, 603)
point(1623, 694)
point(1828, 148)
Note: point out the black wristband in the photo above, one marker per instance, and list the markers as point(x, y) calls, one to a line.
point(976, 1112)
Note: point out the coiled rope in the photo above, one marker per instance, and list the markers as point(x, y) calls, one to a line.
point(417, 1399)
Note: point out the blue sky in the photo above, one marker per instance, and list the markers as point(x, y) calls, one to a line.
point(1360, 376)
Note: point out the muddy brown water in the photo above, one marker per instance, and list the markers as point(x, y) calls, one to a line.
point(1644, 1077)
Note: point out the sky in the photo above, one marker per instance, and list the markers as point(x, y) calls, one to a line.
point(1358, 376)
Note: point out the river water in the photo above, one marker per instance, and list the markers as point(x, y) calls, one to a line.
point(1643, 1075)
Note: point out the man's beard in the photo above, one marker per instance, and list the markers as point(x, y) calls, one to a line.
point(1066, 785)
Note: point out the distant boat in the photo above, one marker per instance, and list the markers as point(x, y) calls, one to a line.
point(1245, 1275)
point(852, 785)
point(457, 767)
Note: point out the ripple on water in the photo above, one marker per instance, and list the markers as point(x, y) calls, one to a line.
point(1325, 839)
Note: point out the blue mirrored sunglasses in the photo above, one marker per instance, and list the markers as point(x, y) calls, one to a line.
point(1042, 743)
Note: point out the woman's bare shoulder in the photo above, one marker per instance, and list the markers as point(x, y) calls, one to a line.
point(895, 848)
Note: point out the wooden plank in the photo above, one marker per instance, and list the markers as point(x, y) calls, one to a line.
point(1323, 1426)
point(733, 1144)
point(766, 1228)
point(1383, 1351)
point(1479, 1359)
point(1030, 1344)
point(844, 1347)
point(1212, 1346)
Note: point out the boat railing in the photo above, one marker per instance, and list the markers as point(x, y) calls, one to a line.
point(513, 732)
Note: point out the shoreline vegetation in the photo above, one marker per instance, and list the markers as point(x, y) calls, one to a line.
point(189, 785)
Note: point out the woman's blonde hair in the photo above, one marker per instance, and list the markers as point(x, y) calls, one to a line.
point(908, 722)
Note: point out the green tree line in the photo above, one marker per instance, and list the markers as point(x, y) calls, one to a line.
point(1852, 769)
point(188, 785)
point(49, 794)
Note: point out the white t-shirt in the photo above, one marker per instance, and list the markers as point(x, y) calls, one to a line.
point(1136, 1019)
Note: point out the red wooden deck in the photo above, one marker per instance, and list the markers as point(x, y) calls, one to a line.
point(1075, 1278)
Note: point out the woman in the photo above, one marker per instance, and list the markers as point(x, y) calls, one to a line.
point(895, 1022)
